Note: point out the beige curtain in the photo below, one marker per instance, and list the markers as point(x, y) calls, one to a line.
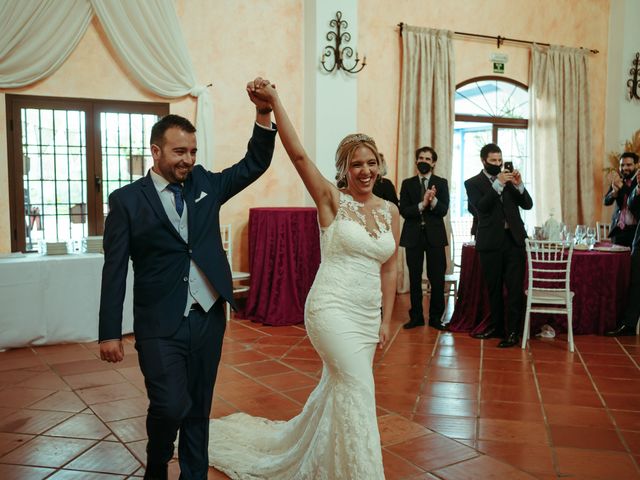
point(560, 134)
point(426, 107)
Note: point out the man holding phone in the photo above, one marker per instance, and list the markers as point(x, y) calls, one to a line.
point(495, 197)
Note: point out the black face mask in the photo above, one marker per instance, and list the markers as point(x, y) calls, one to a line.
point(492, 169)
point(424, 168)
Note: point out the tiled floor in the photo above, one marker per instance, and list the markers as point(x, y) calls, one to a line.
point(449, 406)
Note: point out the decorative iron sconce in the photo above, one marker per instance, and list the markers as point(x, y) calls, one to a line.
point(634, 82)
point(338, 53)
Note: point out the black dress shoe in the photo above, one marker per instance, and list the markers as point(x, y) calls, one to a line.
point(621, 331)
point(511, 341)
point(488, 333)
point(437, 326)
point(413, 324)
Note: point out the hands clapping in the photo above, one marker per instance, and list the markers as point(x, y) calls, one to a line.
point(429, 195)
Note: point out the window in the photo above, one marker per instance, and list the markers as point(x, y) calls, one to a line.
point(65, 157)
point(487, 109)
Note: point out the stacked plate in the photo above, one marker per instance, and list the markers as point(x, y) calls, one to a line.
point(92, 244)
point(57, 248)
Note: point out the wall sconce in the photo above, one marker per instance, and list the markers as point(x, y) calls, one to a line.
point(339, 53)
point(634, 83)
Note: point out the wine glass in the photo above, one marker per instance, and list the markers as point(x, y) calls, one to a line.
point(581, 231)
point(591, 237)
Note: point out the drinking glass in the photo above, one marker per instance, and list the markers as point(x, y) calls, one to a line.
point(591, 237)
point(581, 231)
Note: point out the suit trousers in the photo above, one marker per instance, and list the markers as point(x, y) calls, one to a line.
point(179, 373)
point(500, 267)
point(436, 268)
point(632, 311)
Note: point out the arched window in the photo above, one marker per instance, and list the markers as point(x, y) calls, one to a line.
point(487, 109)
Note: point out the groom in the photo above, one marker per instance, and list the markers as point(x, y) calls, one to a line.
point(168, 224)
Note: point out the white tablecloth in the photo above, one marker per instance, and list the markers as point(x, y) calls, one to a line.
point(53, 299)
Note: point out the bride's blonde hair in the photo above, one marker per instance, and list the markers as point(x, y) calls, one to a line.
point(345, 151)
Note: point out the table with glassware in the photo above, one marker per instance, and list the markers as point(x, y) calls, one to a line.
point(599, 280)
point(49, 299)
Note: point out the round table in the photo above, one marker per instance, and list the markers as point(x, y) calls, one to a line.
point(599, 280)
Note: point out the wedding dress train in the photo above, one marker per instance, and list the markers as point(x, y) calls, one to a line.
point(336, 434)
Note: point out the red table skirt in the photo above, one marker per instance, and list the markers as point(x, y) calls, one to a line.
point(599, 280)
point(284, 255)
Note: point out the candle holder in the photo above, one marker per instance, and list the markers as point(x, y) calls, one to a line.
point(337, 51)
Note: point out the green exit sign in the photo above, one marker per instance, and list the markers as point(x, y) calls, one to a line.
point(498, 67)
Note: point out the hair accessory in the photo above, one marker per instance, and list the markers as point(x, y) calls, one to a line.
point(356, 138)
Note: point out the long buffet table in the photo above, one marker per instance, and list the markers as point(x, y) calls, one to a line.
point(53, 299)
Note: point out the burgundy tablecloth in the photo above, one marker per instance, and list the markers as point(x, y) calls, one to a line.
point(600, 281)
point(284, 255)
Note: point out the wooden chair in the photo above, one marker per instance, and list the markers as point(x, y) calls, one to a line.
point(239, 279)
point(548, 290)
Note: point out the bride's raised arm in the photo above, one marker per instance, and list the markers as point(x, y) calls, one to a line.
point(324, 193)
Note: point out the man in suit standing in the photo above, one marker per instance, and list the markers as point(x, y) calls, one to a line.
point(627, 324)
point(424, 202)
point(168, 224)
point(496, 196)
point(624, 220)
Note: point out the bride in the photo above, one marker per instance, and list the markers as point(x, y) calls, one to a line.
point(336, 434)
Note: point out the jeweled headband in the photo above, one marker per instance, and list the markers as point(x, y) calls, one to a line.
point(356, 138)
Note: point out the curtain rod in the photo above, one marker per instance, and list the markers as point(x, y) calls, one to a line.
point(500, 39)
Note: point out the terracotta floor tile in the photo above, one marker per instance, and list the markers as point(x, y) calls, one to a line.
point(131, 429)
point(452, 407)
point(503, 365)
point(221, 408)
point(78, 475)
point(94, 379)
point(431, 452)
point(390, 384)
point(121, 409)
point(395, 429)
point(555, 355)
point(304, 365)
point(22, 362)
point(280, 340)
point(507, 378)
point(585, 437)
point(559, 368)
point(260, 369)
point(467, 391)
point(66, 357)
point(108, 457)
point(86, 426)
point(453, 375)
point(583, 398)
point(452, 427)
point(512, 431)
point(31, 421)
point(605, 359)
point(62, 402)
point(46, 381)
point(578, 416)
point(528, 412)
point(595, 464)
point(109, 393)
point(563, 382)
point(622, 401)
point(13, 377)
point(272, 406)
point(20, 472)
point(632, 440)
point(139, 450)
point(302, 352)
point(47, 452)
point(408, 372)
point(273, 351)
point(242, 357)
point(81, 366)
point(523, 393)
point(525, 456)
point(300, 395)
point(396, 468)
point(17, 397)
point(617, 385)
point(471, 351)
point(289, 380)
point(481, 467)
point(462, 363)
point(618, 372)
point(6, 411)
point(397, 402)
point(11, 441)
point(627, 420)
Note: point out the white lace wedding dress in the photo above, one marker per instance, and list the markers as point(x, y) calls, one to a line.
point(336, 434)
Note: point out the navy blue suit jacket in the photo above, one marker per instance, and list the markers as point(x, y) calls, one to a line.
point(492, 213)
point(137, 227)
point(410, 195)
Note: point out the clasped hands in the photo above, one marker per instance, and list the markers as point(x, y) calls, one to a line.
point(262, 93)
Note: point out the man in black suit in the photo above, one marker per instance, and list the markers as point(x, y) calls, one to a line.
point(424, 202)
point(627, 324)
point(168, 224)
point(496, 196)
point(624, 220)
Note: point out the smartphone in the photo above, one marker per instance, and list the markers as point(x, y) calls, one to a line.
point(508, 167)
